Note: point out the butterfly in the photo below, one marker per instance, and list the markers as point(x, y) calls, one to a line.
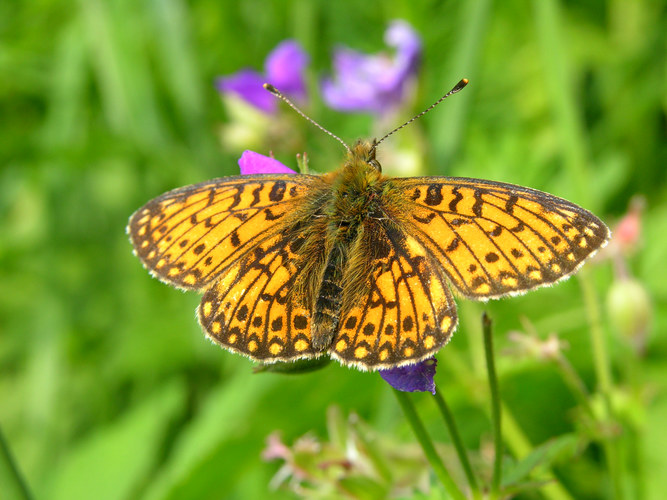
point(355, 264)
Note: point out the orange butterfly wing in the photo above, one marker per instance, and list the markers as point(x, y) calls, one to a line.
point(495, 239)
point(188, 236)
point(254, 309)
point(406, 313)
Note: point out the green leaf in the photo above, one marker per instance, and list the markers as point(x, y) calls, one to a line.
point(363, 488)
point(554, 450)
point(114, 461)
point(227, 409)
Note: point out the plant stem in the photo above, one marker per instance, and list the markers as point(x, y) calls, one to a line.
point(10, 477)
point(495, 407)
point(427, 445)
point(600, 356)
point(514, 437)
point(576, 385)
point(603, 375)
point(458, 443)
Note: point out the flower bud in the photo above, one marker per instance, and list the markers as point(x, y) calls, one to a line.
point(629, 308)
point(628, 230)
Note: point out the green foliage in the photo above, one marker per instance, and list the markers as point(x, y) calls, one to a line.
point(109, 389)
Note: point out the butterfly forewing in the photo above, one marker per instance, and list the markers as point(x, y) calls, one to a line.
point(188, 236)
point(407, 312)
point(495, 239)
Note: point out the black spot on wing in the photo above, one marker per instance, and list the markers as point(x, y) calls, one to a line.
point(455, 201)
point(269, 215)
point(491, 257)
point(255, 196)
point(453, 245)
point(424, 220)
point(234, 238)
point(277, 192)
point(509, 204)
point(235, 200)
point(300, 322)
point(477, 206)
point(433, 195)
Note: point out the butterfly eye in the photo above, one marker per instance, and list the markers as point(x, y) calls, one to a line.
point(375, 164)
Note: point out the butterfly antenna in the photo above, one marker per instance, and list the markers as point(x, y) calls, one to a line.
point(457, 87)
point(279, 95)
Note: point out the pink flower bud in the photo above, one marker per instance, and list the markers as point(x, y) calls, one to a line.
point(628, 229)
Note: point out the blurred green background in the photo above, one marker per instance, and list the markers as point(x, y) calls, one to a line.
point(108, 388)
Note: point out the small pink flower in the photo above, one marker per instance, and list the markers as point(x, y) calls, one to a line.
point(255, 163)
point(628, 230)
point(275, 448)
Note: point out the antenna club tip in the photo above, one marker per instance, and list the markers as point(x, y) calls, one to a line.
point(270, 88)
point(460, 85)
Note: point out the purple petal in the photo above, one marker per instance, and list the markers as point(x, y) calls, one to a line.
point(412, 378)
point(374, 83)
point(355, 85)
point(408, 54)
point(248, 85)
point(255, 163)
point(284, 69)
point(349, 63)
point(407, 43)
point(352, 96)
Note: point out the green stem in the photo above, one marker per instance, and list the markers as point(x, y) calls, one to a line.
point(427, 446)
point(495, 407)
point(600, 356)
point(458, 443)
point(575, 384)
point(603, 375)
point(514, 437)
point(12, 482)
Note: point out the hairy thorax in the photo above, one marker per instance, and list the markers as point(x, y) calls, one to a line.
point(355, 205)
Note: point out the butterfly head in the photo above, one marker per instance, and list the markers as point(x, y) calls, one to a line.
point(361, 157)
point(364, 152)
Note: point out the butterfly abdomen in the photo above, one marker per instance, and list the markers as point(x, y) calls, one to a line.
point(326, 313)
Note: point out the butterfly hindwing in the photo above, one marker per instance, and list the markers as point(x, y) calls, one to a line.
point(495, 239)
point(254, 309)
point(406, 312)
point(188, 236)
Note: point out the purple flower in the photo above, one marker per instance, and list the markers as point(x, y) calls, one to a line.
point(283, 69)
point(377, 82)
point(255, 163)
point(412, 378)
